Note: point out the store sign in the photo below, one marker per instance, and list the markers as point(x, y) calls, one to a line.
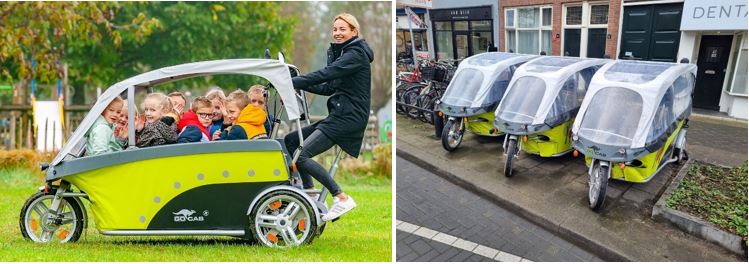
point(422, 54)
point(416, 3)
point(714, 15)
point(473, 13)
point(417, 23)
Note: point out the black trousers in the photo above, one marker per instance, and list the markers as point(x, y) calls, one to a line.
point(315, 142)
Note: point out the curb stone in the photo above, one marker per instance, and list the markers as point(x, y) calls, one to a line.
point(692, 224)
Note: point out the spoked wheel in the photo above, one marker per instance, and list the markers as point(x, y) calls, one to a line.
point(452, 135)
point(283, 219)
point(510, 152)
point(39, 223)
point(597, 183)
point(399, 91)
point(410, 98)
point(431, 105)
point(426, 102)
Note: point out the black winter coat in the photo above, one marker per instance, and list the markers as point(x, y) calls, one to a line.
point(347, 80)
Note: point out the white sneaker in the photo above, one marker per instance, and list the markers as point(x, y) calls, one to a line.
point(339, 208)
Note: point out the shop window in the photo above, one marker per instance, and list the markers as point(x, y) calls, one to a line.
point(739, 83)
point(737, 80)
point(461, 25)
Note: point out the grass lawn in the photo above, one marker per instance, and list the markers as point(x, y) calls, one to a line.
point(362, 235)
point(715, 194)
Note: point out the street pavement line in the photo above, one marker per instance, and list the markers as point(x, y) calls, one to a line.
point(457, 242)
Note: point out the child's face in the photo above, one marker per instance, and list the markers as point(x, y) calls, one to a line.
point(217, 115)
point(112, 113)
point(179, 104)
point(232, 112)
point(123, 117)
point(204, 116)
point(152, 110)
point(257, 100)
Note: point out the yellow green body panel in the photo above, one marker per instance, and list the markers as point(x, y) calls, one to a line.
point(481, 124)
point(650, 163)
point(127, 196)
point(560, 141)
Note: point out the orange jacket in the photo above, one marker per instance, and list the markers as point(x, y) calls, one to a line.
point(252, 120)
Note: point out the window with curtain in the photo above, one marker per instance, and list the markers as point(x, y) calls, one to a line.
point(532, 31)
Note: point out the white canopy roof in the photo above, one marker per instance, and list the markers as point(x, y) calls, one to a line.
point(554, 71)
point(651, 80)
point(275, 71)
point(491, 65)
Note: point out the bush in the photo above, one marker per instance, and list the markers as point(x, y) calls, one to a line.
point(380, 162)
point(24, 158)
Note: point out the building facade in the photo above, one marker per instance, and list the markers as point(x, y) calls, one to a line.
point(577, 28)
point(714, 36)
point(455, 29)
point(711, 34)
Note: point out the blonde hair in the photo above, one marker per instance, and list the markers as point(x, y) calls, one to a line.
point(238, 97)
point(256, 89)
point(164, 103)
point(350, 20)
point(199, 102)
point(215, 93)
point(116, 99)
point(178, 94)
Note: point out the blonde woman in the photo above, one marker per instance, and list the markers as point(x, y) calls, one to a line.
point(346, 79)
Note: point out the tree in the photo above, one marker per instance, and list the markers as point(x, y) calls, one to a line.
point(189, 32)
point(35, 35)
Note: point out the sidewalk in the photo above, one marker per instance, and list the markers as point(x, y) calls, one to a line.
point(552, 192)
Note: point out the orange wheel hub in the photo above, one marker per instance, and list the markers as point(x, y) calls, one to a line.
point(34, 225)
point(275, 205)
point(301, 226)
point(272, 237)
point(63, 234)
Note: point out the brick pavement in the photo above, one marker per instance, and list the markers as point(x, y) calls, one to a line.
point(553, 192)
point(426, 199)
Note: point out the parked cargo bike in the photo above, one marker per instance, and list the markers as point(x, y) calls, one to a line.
point(633, 122)
point(473, 94)
point(226, 188)
point(539, 106)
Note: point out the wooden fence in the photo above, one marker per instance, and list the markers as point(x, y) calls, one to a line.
point(17, 131)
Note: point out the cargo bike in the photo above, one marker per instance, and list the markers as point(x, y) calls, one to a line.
point(247, 189)
point(633, 122)
point(474, 93)
point(540, 104)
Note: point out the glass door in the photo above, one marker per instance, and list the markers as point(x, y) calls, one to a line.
point(461, 45)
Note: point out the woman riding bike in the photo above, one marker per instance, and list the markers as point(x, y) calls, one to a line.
point(346, 79)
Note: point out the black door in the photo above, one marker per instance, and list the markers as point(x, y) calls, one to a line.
point(572, 42)
point(596, 42)
point(651, 32)
point(711, 70)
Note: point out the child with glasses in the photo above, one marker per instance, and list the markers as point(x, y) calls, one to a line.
point(195, 123)
point(157, 125)
point(247, 119)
